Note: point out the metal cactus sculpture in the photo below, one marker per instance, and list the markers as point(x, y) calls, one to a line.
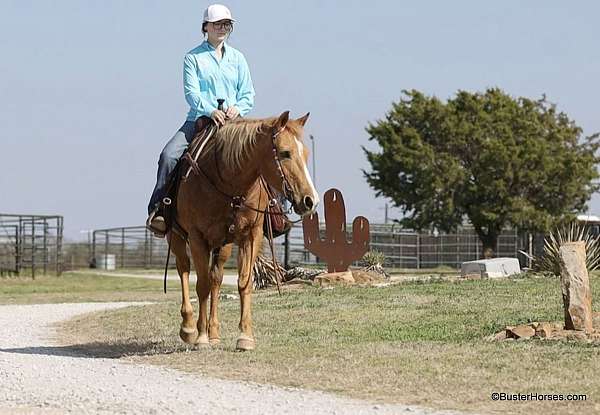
point(335, 249)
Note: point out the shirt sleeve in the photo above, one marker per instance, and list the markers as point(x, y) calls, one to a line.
point(245, 89)
point(191, 88)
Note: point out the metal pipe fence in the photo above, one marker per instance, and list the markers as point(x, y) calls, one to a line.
point(30, 243)
point(135, 247)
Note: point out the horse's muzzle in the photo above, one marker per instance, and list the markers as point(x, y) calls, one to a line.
point(306, 206)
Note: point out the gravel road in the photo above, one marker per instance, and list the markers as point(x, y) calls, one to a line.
point(39, 377)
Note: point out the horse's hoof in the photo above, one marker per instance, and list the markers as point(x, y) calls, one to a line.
point(202, 341)
point(189, 336)
point(245, 343)
point(215, 341)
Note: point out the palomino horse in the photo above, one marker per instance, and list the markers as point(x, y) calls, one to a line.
point(225, 204)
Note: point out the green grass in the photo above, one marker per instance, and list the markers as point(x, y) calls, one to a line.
point(415, 343)
point(440, 270)
point(79, 287)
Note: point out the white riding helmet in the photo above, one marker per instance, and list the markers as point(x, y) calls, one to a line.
point(216, 12)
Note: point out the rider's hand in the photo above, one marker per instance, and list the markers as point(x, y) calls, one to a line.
point(218, 116)
point(232, 112)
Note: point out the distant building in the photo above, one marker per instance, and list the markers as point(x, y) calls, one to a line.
point(590, 221)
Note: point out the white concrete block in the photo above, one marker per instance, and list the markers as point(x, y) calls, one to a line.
point(491, 268)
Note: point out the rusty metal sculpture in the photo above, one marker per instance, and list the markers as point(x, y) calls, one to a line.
point(335, 249)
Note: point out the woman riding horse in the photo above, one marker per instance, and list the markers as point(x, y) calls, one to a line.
point(225, 200)
point(214, 70)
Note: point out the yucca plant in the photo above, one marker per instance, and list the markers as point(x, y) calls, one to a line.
point(549, 262)
point(373, 258)
point(264, 273)
point(373, 261)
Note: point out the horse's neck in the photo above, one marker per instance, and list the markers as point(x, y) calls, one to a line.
point(234, 181)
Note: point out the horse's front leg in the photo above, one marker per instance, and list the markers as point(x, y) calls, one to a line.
point(187, 331)
point(200, 254)
point(247, 256)
point(216, 279)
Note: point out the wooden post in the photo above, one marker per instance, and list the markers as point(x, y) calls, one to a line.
point(575, 283)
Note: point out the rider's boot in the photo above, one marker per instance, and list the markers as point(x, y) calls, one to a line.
point(156, 223)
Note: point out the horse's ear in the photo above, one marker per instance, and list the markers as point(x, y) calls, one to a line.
point(282, 120)
point(302, 120)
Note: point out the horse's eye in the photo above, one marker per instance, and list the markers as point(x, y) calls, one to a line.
point(285, 154)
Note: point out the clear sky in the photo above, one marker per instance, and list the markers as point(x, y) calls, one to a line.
point(90, 91)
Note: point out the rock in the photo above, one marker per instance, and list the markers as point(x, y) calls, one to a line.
point(490, 268)
point(575, 284)
point(335, 277)
point(361, 277)
point(520, 332)
point(544, 330)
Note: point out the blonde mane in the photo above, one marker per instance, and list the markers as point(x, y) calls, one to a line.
point(236, 140)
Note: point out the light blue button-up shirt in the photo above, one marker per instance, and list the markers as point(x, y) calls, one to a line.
point(206, 79)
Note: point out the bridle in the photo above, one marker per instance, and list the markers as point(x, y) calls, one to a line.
point(285, 184)
point(237, 202)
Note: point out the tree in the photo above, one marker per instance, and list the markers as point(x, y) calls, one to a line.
point(487, 157)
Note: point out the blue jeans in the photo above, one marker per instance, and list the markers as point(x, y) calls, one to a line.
point(168, 159)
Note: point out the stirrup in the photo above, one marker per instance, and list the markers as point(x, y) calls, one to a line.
point(156, 224)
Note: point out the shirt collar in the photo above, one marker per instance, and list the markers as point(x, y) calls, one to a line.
point(211, 48)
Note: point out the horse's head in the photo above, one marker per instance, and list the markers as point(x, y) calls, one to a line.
point(285, 168)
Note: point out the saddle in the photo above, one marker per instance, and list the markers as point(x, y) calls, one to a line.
point(187, 164)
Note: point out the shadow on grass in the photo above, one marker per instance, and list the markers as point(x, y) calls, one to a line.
point(103, 350)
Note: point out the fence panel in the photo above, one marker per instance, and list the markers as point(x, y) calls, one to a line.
point(30, 243)
point(135, 247)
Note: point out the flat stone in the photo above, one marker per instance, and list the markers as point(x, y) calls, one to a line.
point(520, 332)
point(335, 277)
point(544, 330)
point(364, 276)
